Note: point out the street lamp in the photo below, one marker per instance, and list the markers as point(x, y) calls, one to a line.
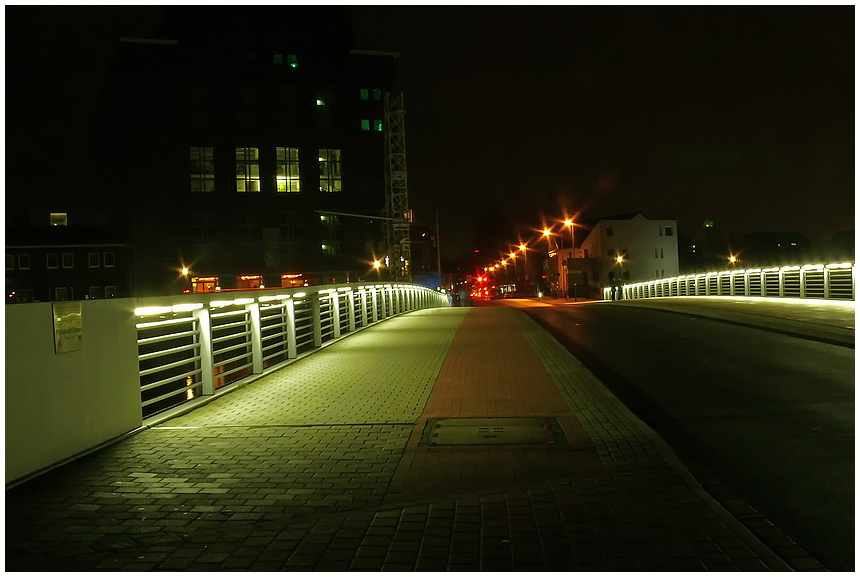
point(569, 223)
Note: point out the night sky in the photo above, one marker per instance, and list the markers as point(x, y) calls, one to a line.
point(744, 115)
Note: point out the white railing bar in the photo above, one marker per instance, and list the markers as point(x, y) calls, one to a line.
point(168, 395)
point(165, 352)
point(231, 336)
point(172, 365)
point(229, 325)
point(153, 340)
point(185, 375)
point(231, 348)
point(228, 314)
point(231, 371)
point(166, 322)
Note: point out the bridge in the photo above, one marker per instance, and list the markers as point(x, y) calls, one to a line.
point(373, 427)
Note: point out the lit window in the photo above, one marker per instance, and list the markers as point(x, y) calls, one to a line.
point(23, 262)
point(108, 259)
point(608, 231)
point(377, 125)
point(320, 102)
point(68, 260)
point(364, 93)
point(279, 59)
point(291, 60)
point(330, 170)
point(10, 262)
point(377, 94)
point(93, 259)
point(61, 294)
point(287, 177)
point(52, 260)
point(110, 292)
point(365, 124)
point(668, 231)
point(59, 219)
point(202, 169)
point(247, 170)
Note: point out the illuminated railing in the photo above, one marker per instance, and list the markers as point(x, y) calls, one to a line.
point(814, 281)
point(190, 346)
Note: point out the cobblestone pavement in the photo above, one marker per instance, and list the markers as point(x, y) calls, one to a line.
point(324, 465)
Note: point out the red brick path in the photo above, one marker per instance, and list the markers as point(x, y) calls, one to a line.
point(490, 371)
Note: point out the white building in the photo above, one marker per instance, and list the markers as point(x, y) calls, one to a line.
point(648, 249)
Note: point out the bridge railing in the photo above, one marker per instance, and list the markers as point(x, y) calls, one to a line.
point(195, 345)
point(814, 281)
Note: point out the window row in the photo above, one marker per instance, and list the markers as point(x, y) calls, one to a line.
point(291, 60)
point(377, 124)
point(287, 174)
point(95, 292)
point(67, 259)
point(365, 93)
point(661, 230)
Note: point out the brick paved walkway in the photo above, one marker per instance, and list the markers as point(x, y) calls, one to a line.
point(321, 465)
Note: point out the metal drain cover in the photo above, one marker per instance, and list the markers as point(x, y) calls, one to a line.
point(491, 431)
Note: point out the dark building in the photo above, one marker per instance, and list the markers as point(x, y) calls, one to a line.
point(226, 146)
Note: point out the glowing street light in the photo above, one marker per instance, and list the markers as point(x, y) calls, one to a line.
point(376, 264)
point(184, 271)
point(522, 247)
point(619, 259)
point(513, 256)
point(733, 259)
point(546, 232)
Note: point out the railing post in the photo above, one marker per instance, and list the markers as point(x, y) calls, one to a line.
point(746, 283)
point(207, 379)
point(350, 299)
point(256, 338)
point(375, 306)
point(826, 283)
point(781, 283)
point(316, 318)
point(335, 314)
point(803, 282)
point(853, 279)
point(763, 291)
point(290, 317)
point(364, 304)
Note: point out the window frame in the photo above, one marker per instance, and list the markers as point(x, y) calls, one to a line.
point(10, 258)
point(71, 260)
point(62, 218)
point(609, 231)
point(57, 293)
point(365, 124)
point(286, 165)
point(331, 170)
point(90, 260)
point(24, 255)
point(669, 231)
point(364, 94)
point(205, 179)
point(250, 166)
point(112, 259)
point(113, 295)
point(48, 261)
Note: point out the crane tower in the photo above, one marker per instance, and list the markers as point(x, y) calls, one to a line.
point(397, 239)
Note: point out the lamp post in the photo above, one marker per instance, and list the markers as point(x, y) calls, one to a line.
point(524, 248)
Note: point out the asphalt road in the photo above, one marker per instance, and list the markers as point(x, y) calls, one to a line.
point(768, 416)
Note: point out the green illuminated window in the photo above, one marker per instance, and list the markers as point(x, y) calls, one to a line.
point(287, 178)
point(377, 125)
point(331, 178)
point(202, 169)
point(291, 60)
point(377, 94)
point(365, 124)
point(247, 170)
point(364, 93)
point(279, 59)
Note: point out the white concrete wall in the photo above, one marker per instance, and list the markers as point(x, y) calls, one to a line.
point(58, 405)
point(639, 237)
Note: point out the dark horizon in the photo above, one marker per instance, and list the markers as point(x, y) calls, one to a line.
point(741, 115)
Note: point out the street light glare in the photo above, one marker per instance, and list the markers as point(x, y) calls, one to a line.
point(184, 270)
point(568, 222)
point(512, 256)
point(546, 232)
point(522, 247)
point(376, 264)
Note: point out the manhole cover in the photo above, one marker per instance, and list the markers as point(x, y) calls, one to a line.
point(492, 431)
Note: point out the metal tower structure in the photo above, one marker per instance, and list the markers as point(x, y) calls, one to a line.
point(397, 239)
